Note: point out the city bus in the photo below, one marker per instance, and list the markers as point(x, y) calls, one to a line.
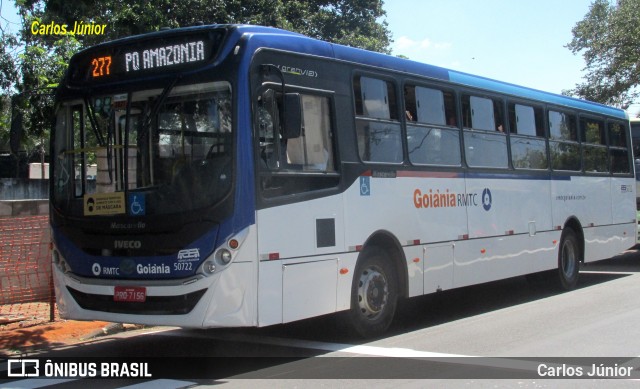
point(635, 142)
point(250, 176)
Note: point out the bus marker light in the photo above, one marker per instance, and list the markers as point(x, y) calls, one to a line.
point(510, 232)
point(359, 247)
point(483, 251)
point(274, 256)
point(234, 244)
point(416, 260)
point(555, 242)
point(344, 271)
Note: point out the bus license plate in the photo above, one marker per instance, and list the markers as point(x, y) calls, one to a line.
point(135, 294)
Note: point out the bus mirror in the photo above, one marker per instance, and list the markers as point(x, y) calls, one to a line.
point(293, 118)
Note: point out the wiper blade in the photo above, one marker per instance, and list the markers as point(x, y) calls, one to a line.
point(156, 107)
point(110, 142)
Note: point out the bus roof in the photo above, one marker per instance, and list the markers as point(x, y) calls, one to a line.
point(261, 36)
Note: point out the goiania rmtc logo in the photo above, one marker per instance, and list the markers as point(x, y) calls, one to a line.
point(448, 199)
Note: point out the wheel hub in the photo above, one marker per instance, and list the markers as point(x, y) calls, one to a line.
point(373, 292)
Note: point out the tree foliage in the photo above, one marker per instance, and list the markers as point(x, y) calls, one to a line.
point(608, 38)
point(44, 58)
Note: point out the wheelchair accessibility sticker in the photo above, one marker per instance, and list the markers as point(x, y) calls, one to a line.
point(137, 204)
point(365, 186)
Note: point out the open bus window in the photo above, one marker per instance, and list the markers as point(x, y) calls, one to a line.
point(377, 122)
point(431, 115)
point(484, 134)
point(528, 146)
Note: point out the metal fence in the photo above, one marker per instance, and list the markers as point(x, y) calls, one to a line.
point(26, 284)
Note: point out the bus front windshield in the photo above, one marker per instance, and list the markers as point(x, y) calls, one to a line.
point(147, 152)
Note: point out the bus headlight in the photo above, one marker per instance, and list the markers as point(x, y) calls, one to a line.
point(60, 262)
point(209, 267)
point(225, 256)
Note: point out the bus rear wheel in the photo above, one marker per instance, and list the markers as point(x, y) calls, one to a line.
point(374, 294)
point(568, 260)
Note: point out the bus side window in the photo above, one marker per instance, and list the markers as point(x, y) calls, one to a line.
point(484, 134)
point(528, 146)
point(377, 121)
point(430, 138)
point(619, 148)
point(295, 162)
point(563, 142)
point(594, 145)
point(267, 122)
point(313, 149)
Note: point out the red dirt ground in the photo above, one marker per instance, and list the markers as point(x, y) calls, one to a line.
point(17, 338)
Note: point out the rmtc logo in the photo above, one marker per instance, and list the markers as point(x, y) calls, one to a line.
point(127, 244)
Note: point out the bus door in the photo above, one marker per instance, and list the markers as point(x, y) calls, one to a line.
point(300, 223)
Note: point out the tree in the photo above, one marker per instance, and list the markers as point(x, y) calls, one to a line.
point(43, 62)
point(8, 77)
point(608, 38)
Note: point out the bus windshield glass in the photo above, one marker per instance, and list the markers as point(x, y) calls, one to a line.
point(159, 151)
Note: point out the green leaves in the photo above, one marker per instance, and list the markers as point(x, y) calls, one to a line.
point(608, 39)
point(43, 59)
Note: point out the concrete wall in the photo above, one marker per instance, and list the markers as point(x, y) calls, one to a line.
point(23, 188)
point(24, 207)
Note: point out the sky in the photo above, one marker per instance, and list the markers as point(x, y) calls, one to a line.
point(517, 41)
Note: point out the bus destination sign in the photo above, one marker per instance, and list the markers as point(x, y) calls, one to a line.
point(164, 56)
point(145, 57)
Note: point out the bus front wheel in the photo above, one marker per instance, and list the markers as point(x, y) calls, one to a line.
point(568, 260)
point(374, 294)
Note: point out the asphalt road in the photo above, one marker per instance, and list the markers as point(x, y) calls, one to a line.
point(497, 334)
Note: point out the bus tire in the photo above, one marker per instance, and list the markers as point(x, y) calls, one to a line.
point(568, 260)
point(374, 294)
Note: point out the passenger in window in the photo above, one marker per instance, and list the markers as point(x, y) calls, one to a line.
point(409, 115)
point(500, 128)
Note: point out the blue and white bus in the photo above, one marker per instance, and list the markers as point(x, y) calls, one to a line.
point(249, 176)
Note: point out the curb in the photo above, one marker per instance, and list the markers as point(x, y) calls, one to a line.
point(111, 329)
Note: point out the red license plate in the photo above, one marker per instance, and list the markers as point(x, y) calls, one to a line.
point(136, 294)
